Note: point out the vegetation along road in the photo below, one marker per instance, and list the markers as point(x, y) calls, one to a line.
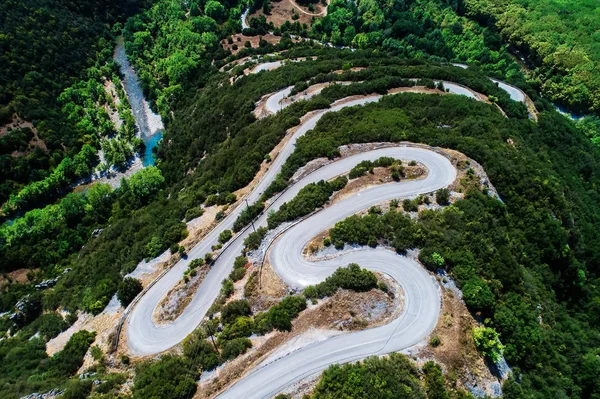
point(422, 296)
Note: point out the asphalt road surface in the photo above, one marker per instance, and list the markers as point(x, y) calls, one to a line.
point(422, 297)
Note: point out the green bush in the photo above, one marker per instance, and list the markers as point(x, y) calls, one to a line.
point(235, 309)
point(374, 377)
point(442, 196)
point(410, 205)
point(128, 290)
point(193, 213)
point(239, 328)
point(434, 381)
point(431, 259)
point(237, 274)
point(77, 389)
point(477, 294)
point(351, 277)
point(367, 166)
point(170, 377)
point(280, 316)
point(487, 341)
point(196, 263)
point(235, 347)
point(255, 238)
point(200, 352)
point(309, 198)
point(225, 236)
point(248, 214)
point(66, 362)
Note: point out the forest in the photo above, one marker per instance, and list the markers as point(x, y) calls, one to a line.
point(559, 40)
point(48, 48)
point(145, 213)
point(534, 250)
point(528, 263)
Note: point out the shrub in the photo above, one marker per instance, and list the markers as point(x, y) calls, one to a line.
point(167, 378)
point(196, 263)
point(251, 285)
point(128, 290)
point(227, 288)
point(255, 238)
point(225, 236)
point(248, 214)
point(374, 377)
point(442, 196)
point(477, 294)
point(351, 277)
point(96, 353)
point(431, 259)
point(49, 325)
point(487, 341)
point(77, 389)
point(201, 352)
point(235, 347)
point(280, 316)
point(410, 206)
point(309, 198)
point(235, 309)
point(434, 381)
point(193, 213)
point(237, 274)
point(241, 327)
point(239, 268)
point(66, 362)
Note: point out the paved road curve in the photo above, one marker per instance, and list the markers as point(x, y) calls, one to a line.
point(422, 296)
point(422, 304)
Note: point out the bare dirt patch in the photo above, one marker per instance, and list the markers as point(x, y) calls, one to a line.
point(104, 324)
point(20, 276)
point(109, 88)
point(353, 69)
point(176, 300)
point(416, 89)
point(18, 123)
point(456, 352)
point(200, 226)
point(379, 176)
point(239, 40)
point(270, 287)
point(284, 10)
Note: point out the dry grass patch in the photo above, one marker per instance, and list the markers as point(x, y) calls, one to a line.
point(456, 351)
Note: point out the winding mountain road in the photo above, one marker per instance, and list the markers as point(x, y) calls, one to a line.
point(422, 297)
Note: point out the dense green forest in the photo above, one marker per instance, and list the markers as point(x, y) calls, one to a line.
point(560, 40)
point(45, 48)
point(172, 45)
point(528, 264)
point(532, 256)
point(145, 213)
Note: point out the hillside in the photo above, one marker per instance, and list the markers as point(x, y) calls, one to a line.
point(346, 191)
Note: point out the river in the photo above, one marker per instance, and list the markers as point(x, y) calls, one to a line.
point(149, 124)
